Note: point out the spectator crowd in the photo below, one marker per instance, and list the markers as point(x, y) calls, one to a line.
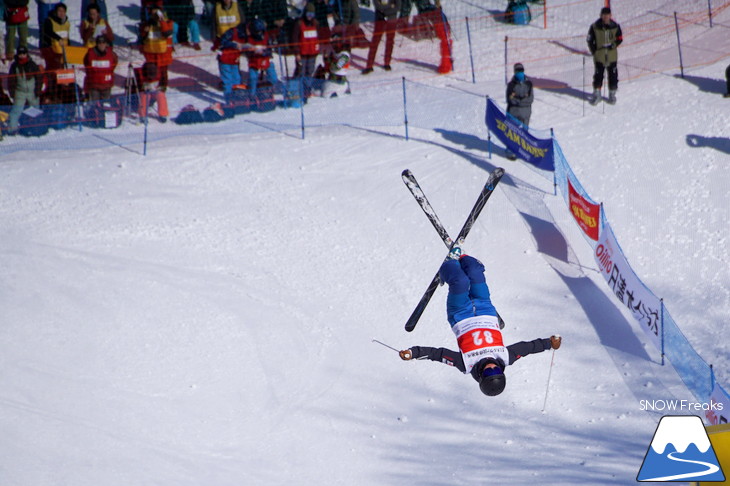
point(308, 30)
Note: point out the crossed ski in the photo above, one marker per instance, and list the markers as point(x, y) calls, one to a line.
point(418, 193)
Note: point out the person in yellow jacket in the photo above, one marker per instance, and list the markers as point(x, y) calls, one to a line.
point(94, 25)
point(156, 35)
point(55, 37)
point(227, 15)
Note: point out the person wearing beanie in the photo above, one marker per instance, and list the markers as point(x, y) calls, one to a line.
point(519, 95)
point(24, 85)
point(477, 328)
point(604, 37)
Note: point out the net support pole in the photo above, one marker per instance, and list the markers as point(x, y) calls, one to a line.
point(405, 107)
point(301, 104)
point(709, 11)
point(471, 55)
point(679, 45)
point(506, 81)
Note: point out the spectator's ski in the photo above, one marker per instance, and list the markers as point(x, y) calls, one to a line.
point(487, 191)
point(410, 180)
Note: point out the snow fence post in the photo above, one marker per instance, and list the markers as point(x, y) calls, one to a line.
point(146, 122)
point(679, 45)
point(506, 81)
point(712, 378)
point(544, 15)
point(661, 306)
point(471, 56)
point(584, 86)
point(555, 179)
point(301, 103)
point(79, 111)
point(709, 11)
point(489, 136)
point(405, 107)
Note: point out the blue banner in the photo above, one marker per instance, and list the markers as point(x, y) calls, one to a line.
point(515, 136)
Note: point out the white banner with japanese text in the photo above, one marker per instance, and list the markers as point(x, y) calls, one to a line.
point(626, 286)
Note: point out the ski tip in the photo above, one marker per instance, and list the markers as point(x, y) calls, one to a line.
point(406, 172)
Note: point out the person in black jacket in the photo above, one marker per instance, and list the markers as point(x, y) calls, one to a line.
point(727, 79)
point(474, 321)
point(520, 96)
point(604, 37)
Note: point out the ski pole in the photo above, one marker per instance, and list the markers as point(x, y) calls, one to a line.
point(547, 388)
point(383, 344)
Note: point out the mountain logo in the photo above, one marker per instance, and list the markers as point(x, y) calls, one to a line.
point(680, 451)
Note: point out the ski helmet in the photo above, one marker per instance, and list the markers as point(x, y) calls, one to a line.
point(492, 380)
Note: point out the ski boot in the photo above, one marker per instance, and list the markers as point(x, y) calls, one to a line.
point(612, 97)
point(594, 98)
point(455, 253)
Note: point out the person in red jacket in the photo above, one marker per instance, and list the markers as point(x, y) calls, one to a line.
point(307, 42)
point(229, 46)
point(156, 34)
point(100, 63)
point(151, 89)
point(259, 55)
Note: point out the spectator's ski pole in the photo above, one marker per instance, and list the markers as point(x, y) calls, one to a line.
point(547, 388)
point(383, 344)
point(584, 85)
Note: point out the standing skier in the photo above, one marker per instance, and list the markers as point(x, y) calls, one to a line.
point(474, 321)
point(604, 37)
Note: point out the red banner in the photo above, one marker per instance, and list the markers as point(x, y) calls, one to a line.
point(586, 213)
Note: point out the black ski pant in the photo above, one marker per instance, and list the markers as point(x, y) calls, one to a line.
point(612, 76)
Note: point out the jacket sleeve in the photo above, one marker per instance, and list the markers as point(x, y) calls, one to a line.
point(619, 35)
point(527, 100)
point(442, 355)
point(524, 348)
point(48, 32)
point(591, 39)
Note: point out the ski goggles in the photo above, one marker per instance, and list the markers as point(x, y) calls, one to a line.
point(487, 372)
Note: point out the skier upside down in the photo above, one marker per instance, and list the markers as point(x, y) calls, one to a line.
point(474, 321)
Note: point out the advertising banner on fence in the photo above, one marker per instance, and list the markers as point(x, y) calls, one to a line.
point(626, 286)
point(586, 213)
point(719, 412)
point(514, 136)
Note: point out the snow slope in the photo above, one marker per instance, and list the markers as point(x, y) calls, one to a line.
point(205, 315)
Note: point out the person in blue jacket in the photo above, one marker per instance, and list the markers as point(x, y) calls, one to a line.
point(473, 319)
